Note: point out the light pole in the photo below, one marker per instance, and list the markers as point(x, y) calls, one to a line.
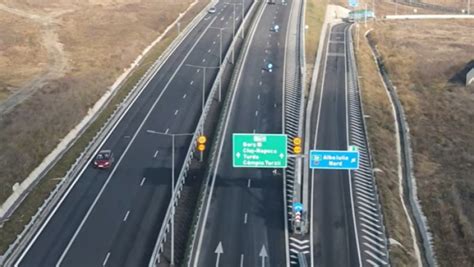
point(220, 44)
point(233, 26)
point(172, 184)
point(204, 82)
point(469, 7)
point(243, 19)
point(220, 59)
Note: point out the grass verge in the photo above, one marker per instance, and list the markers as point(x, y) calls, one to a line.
point(24, 213)
point(383, 144)
point(314, 18)
point(426, 61)
point(426, 64)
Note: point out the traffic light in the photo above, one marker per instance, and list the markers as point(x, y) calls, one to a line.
point(297, 216)
point(201, 143)
point(297, 145)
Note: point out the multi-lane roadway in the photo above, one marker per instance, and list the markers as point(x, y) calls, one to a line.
point(244, 221)
point(112, 217)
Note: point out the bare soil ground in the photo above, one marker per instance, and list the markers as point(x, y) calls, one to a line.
point(57, 57)
point(314, 18)
point(426, 60)
point(460, 4)
point(381, 129)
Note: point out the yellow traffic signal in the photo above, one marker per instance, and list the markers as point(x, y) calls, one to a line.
point(297, 145)
point(297, 141)
point(202, 139)
point(297, 149)
point(201, 147)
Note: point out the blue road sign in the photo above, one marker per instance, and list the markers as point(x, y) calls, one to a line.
point(297, 207)
point(334, 159)
point(353, 3)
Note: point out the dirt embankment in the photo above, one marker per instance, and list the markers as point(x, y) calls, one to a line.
point(426, 61)
point(383, 143)
point(71, 51)
point(55, 65)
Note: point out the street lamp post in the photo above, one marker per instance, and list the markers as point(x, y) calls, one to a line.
point(220, 44)
point(172, 184)
point(243, 19)
point(233, 26)
point(204, 81)
point(220, 59)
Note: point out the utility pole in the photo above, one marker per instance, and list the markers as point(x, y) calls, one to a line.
point(204, 68)
point(172, 184)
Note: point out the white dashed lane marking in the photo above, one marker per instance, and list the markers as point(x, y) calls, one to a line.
point(126, 216)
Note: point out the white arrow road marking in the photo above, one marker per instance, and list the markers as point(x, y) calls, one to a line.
point(219, 250)
point(263, 254)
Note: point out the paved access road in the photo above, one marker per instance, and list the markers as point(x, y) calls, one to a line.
point(112, 218)
point(332, 229)
point(246, 213)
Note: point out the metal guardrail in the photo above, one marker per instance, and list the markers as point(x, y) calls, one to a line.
point(407, 161)
point(159, 245)
point(293, 92)
point(43, 212)
point(373, 239)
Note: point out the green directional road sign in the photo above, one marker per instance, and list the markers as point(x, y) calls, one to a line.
point(259, 150)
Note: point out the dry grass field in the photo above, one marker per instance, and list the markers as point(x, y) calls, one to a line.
point(314, 18)
point(425, 60)
point(381, 129)
point(20, 45)
point(64, 54)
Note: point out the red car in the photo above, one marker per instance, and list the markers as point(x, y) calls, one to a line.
point(104, 159)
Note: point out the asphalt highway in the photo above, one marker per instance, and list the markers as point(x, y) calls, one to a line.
point(112, 217)
point(246, 213)
point(333, 232)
